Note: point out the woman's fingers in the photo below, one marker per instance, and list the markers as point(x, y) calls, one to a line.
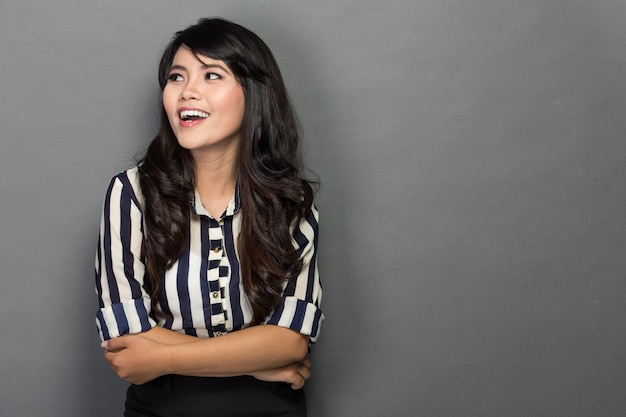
point(295, 374)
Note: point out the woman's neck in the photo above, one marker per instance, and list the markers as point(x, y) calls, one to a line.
point(215, 181)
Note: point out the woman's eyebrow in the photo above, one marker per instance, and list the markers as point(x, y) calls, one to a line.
point(211, 66)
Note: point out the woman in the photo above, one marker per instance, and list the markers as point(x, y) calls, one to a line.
point(214, 233)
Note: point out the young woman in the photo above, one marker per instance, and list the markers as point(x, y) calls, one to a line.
point(206, 269)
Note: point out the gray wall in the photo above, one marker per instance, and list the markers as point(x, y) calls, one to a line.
point(473, 227)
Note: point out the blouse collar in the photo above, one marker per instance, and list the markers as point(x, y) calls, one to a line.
point(231, 209)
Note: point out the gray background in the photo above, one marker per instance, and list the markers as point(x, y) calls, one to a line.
point(472, 158)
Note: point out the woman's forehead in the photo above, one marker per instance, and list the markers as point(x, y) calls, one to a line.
point(185, 54)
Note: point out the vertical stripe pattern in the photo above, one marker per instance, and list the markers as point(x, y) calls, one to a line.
point(202, 292)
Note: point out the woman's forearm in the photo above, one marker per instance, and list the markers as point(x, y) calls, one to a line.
point(257, 348)
point(140, 358)
point(168, 337)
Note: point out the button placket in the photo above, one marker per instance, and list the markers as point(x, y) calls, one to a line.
point(213, 276)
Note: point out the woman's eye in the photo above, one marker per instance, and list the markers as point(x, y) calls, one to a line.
point(212, 76)
point(175, 77)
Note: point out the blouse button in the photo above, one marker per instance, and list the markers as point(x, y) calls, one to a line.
point(217, 249)
point(217, 333)
point(216, 294)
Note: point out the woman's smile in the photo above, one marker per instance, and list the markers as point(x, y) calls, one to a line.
point(190, 117)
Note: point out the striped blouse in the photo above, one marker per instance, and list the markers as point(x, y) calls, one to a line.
point(202, 294)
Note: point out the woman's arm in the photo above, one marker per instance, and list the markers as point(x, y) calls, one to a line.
point(122, 297)
point(166, 336)
point(267, 352)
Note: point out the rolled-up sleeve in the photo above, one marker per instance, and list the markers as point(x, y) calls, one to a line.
point(124, 303)
point(299, 309)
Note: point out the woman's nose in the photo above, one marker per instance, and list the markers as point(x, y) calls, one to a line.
point(190, 91)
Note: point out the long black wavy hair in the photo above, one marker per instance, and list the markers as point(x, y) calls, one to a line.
point(273, 193)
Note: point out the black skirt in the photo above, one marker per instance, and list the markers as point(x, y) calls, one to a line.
point(187, 396)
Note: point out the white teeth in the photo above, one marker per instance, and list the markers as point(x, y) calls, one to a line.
point(185, 114)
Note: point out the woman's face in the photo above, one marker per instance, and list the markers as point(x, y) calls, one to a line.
point(204, 103)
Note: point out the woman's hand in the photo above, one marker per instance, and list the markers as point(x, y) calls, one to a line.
point(295, 374)
point(135, 358)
